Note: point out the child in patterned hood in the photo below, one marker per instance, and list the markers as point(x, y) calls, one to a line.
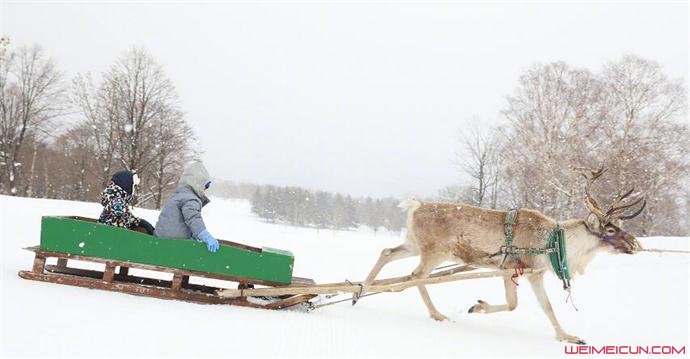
point(116, 198)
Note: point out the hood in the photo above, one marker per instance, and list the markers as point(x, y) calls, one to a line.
point(195, 177)
point(125, 180)
point(113, 190)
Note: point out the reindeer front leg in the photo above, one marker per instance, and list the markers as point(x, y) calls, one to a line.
point(511, 300)
point(537, 282)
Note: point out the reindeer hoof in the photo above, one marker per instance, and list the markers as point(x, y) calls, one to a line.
point(439, 317)
point(477, 308)
point(571, 339)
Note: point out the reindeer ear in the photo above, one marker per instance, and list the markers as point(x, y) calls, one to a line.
point(593, 224)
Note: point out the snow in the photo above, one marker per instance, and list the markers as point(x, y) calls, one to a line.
point(622, 300)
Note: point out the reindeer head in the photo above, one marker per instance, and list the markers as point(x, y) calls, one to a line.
point(607, 225)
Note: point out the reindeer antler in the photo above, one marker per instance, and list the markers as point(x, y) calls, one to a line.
point(636, 213)
point(590, 202)
point(619, 198)
point(616, 210)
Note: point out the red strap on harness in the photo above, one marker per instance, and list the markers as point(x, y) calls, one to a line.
point(519, 270)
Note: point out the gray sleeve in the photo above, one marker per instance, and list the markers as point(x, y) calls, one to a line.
point(191, 212)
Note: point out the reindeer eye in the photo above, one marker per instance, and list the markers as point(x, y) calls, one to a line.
point(610, 231)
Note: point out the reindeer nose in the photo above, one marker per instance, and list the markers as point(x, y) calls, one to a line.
point(637, 246)
point(634, 245)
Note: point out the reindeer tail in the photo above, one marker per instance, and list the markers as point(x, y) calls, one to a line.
point(410, 205)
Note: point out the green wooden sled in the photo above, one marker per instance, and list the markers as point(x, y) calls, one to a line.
point(85, 237)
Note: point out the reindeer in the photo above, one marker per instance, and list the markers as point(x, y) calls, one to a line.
point(438, 232)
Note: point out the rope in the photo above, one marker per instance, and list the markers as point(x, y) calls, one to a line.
point(572, 301)
point(339, 301)
point(663, 250)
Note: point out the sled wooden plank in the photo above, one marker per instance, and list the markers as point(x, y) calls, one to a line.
point(78, 236)
point(142, 290)
point(109, 272)
point(136, 289)
point(39, 263)
point(335, 288)
point(128, 278)
point(98, 275)
point(176, 282)
point(156, 268)
point(311, 284)
point(302, 281)
point(463, 268)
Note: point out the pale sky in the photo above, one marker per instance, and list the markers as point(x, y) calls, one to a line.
point(359, 98)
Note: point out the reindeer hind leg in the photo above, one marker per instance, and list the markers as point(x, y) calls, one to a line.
point(387, 255)
point(422, 271)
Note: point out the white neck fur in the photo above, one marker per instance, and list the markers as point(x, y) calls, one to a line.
point(580, 244)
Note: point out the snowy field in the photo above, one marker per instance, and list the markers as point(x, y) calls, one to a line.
point(622, 300)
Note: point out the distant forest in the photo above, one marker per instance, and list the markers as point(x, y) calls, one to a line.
point(319, 209)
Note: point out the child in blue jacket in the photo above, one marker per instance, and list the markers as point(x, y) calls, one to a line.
point(180, 217)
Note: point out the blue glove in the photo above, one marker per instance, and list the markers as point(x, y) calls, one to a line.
point(211, 243)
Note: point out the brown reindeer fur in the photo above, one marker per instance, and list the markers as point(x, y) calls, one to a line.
point(440, 232)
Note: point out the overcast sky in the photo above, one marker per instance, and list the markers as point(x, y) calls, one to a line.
point(365, 99)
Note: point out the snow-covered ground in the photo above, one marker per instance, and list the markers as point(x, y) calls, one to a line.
point(622, 300)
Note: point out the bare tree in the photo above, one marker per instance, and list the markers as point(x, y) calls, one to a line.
point(172, 143)
point(647, 134)
point(76, 152)
point(479, 160)
point(550, 118)
point(136, 124)
point(30, 97)
point(146, 97)
point(629, 118)
point(99, 107)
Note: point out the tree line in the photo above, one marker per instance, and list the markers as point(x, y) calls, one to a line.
point(629, 117)
point(60, 140)
point(318, 209)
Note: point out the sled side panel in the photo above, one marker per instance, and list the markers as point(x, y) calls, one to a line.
point(80, 237)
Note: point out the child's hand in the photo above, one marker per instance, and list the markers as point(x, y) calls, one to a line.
point(211, 243)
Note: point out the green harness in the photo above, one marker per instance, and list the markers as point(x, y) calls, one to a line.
point(555, 249)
